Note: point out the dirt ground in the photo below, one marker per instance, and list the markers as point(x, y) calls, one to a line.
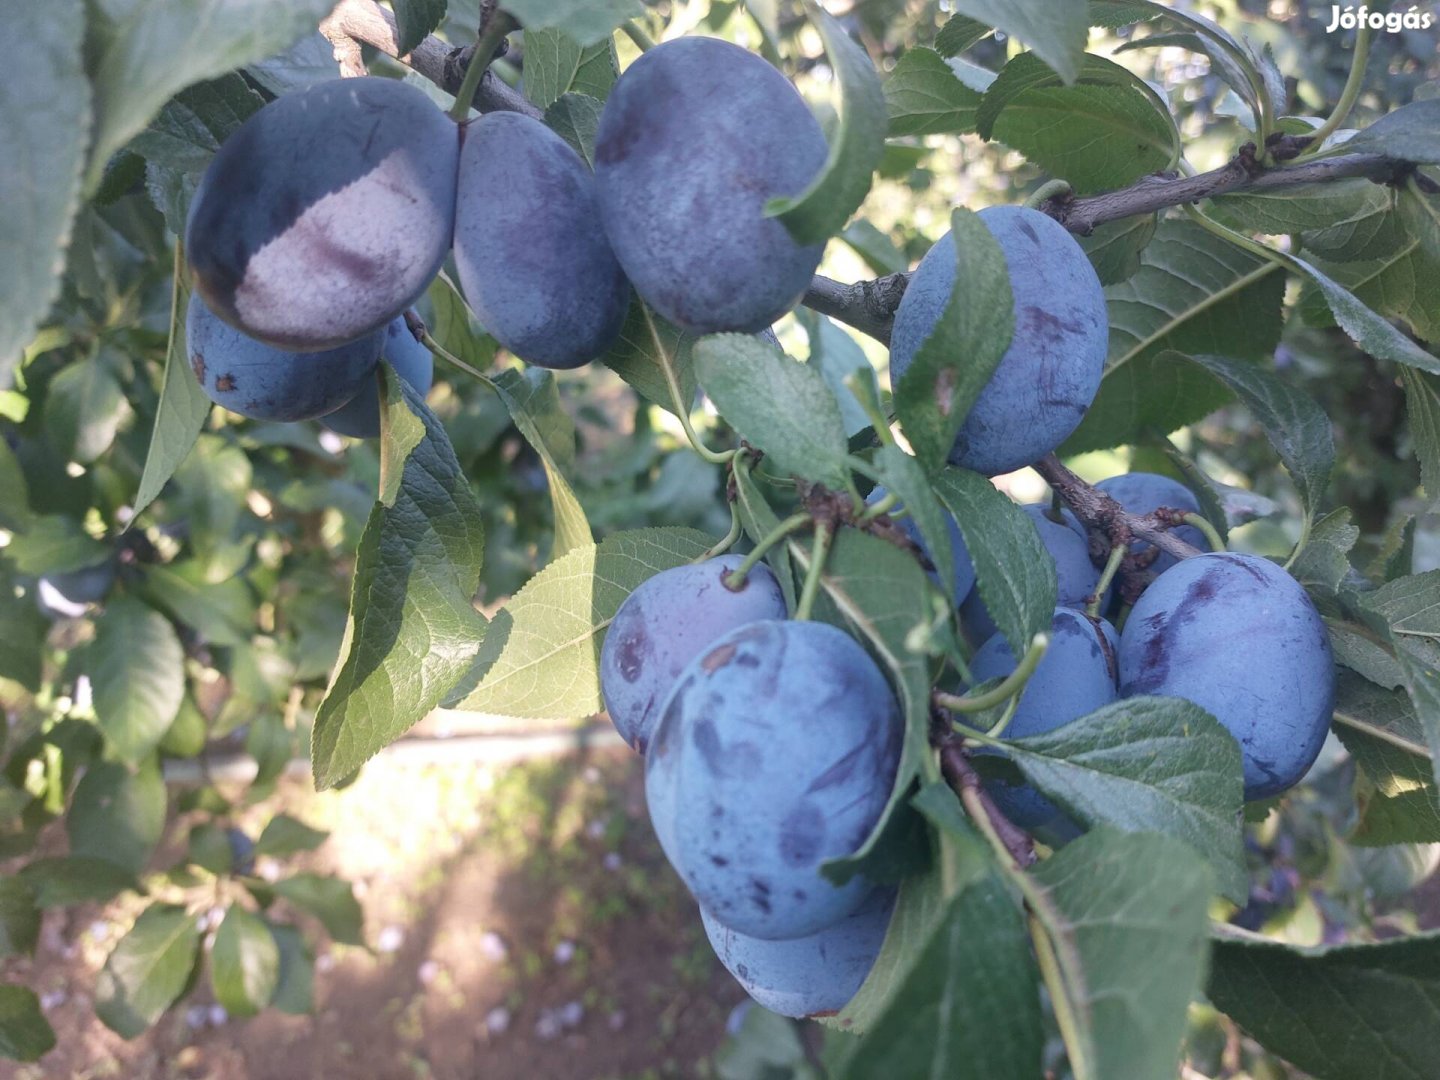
point(521, 923)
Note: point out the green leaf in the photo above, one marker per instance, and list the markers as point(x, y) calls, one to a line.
point(1324, 561)
point(1302, 207)
point(1422, 408)
point(1105, 131)
point(413, 630)
point(416, 19)
point(906, 480)
point(45, 125)
point(533, 400)
point(25, 1034)
point(877, 249)
point(958, 34)
point(1114, 248)
point(1193, 293)
point(137, 670)
point(587, 21)
point(969, 1006)
point(1055, 29)
point(541, 658)
point(146, 52)
point(244, 963)
point(209, 848)
point(117, 815)
point(19, 917)
point(285, 835)
point(54, 544)
point(1159, 765)
point(1365, 326)
point(1410, 133)
point(330, 900)
point(1398, 799)
point(856, 146)
point(1126, 913)
point(456, 327)
point(84, 407)
point(295, 991)
point(839, 356)
point(221, 612)
point(1015, 577)
point(1351, 1012)
point(759, 520)
point(575, 118)
point(779, 405)
point(927, 95)
point(881, 592)
point(62, 882)
point(652, 356)
point(956, 360)
point(147, 970)
point(181, 413)
point(1296, 426)
point(556, 63)
point(22, 635)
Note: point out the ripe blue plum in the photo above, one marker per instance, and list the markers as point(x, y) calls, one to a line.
point(1144, 493)
point(533, 258)
point(326, 213)
point(264, 383)
point(1075, 575)
point(67, 594)
point(1051, 372)
point(360, 416)
point(962, 571)
point(695, 137)
point(242, 851)
point(814, 975)
point(664, 624)
point(775, 753)
point(1239, 637)
point(1077, 675)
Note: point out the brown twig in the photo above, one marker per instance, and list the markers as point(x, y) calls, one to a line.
point(961, 775)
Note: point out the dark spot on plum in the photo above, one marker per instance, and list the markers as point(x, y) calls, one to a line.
point(841, 771)
point(633, 650)
point(719, 657)
point(197, 364)
point(748, 660)
point(1024, 226)
point(1044, 324)
point(760, 894)
point(719, 860)
point(225, 383)
point(707, 742)
point(801, 835)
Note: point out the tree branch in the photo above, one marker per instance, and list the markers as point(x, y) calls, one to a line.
point(962, 777)
point(366, 21)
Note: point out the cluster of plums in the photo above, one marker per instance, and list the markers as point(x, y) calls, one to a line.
point(771, 747)
point(328, 213)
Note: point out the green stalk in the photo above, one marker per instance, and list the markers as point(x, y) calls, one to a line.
point(643, 41)
point(736, 578)
point(1013, 684)
point(1047, 191)
point(811, 588)
point(1348, 95)
point(1212, 534)
point(682, 410)
point(1112, 566)
point(495, 31)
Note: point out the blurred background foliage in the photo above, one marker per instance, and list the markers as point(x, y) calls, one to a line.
point(211, 622)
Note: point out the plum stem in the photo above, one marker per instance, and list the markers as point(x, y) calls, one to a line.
point(643, 41)
point(726, 542)
point(823, 533)
point(735, 580)
point(1112, 567)
point(1353, 82)
point(1008, 839)
point(1099, 512)
point(492, 34)
point(883, 506)
point(1052, 189)
point(1012, 683)
point(1199, 521)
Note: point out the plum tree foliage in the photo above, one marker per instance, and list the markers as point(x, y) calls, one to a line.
point(982, 662)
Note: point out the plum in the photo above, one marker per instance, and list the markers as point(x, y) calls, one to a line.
point(326, 213)
point(68, 593)
point(1239, 637)
point(775, 753)
point(264, 383)
point(533, 259)
point(360, 416)
point(962, 570)
point(242, 851)
point(1051, 372)
point(696, 136)
point(667, 622)
point(1075, 575)
point(1144, 493)
point(813, 975)
point(1076, 676)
